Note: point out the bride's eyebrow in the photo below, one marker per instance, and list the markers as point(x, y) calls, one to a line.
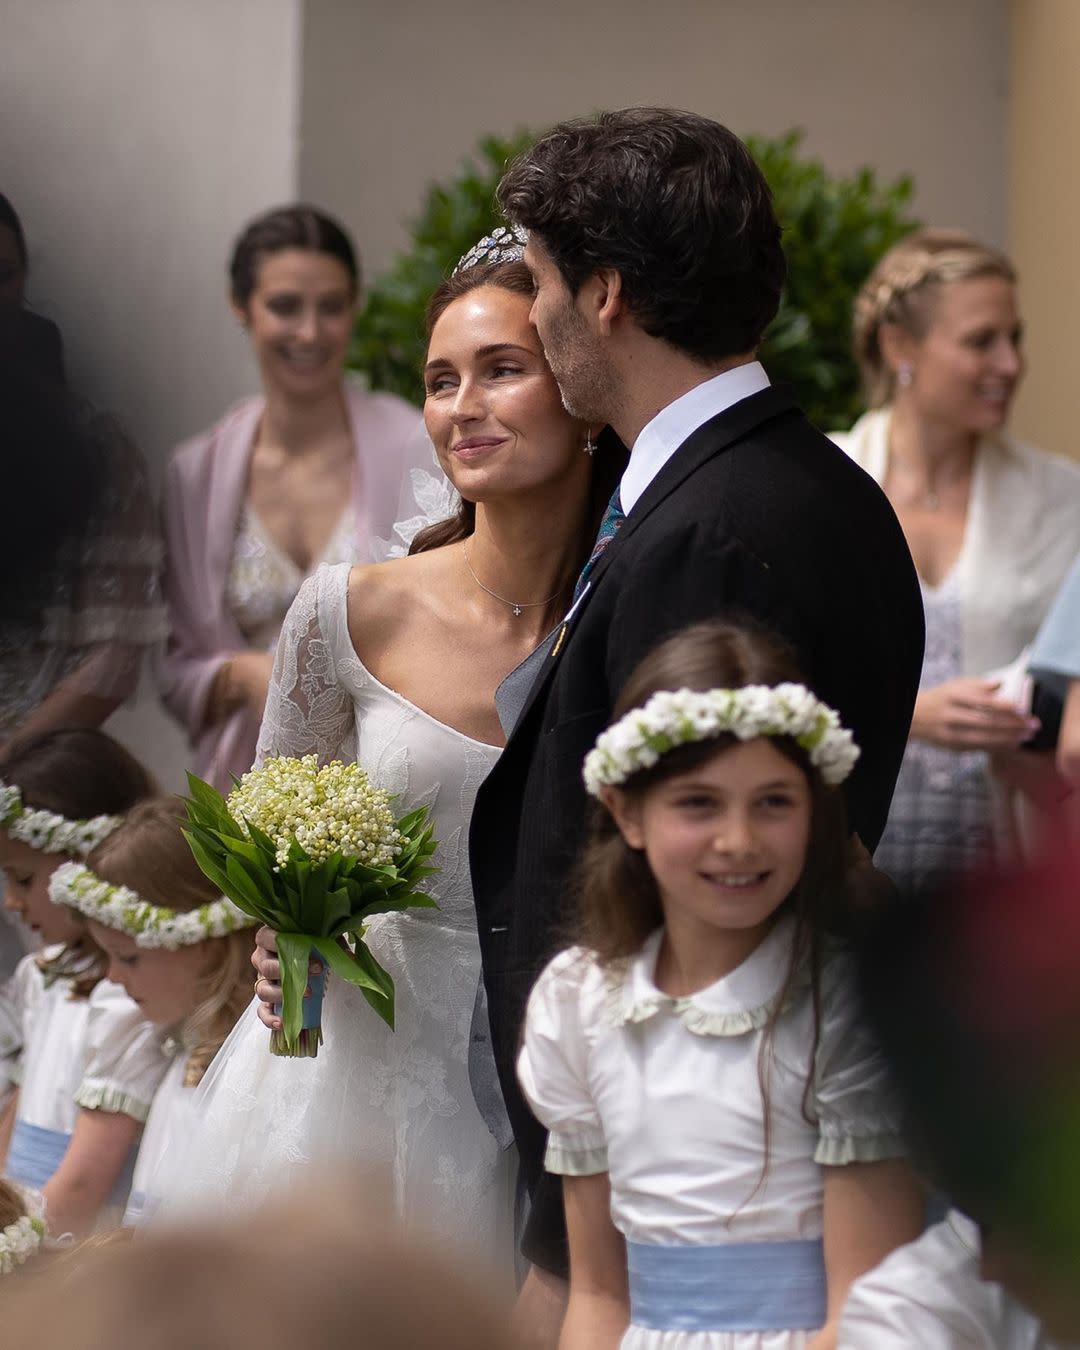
point(492, 349)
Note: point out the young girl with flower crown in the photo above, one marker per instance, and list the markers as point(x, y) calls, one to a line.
point(180, 951)
point(89, 1060)
point(721, 1121)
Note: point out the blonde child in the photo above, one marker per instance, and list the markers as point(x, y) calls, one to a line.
point(729, 1152)
point(89, 1061)
point(180, 951)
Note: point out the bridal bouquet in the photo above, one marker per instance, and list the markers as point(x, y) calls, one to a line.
point(312, 853)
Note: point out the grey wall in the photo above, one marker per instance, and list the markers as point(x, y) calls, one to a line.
point(137, 136)
point(396, 95)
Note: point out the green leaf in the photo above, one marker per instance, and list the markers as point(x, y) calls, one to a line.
point(294, 951)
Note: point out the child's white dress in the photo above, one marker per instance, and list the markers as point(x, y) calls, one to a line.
point(98, 1052)
point(168, 1126)
point(929, 1294)
point(663, 1094)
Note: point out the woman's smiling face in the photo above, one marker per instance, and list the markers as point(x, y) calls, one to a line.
point(492, 407)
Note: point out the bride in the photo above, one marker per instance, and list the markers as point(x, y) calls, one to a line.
point(396, 665)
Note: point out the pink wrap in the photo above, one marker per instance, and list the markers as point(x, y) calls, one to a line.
point(205, 485)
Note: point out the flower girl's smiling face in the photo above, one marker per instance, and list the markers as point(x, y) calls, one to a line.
point(165, 984)
point(726, 841)
point(26, 891)
point(492, 407)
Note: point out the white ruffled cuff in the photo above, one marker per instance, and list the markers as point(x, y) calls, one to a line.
point(838, 1151)
point(576, 1155)
point(98, 1094)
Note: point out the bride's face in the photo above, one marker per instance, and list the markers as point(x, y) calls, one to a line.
point(492, 407)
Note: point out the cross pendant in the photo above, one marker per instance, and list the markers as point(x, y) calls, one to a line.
point(517, 611)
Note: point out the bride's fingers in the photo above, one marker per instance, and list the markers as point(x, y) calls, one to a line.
point(266, 1016)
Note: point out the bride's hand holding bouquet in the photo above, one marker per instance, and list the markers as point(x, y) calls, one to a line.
point(312, 853)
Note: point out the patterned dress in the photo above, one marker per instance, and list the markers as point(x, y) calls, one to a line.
point(942, 815)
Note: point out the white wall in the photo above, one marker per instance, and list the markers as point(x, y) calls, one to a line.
point(138, 136)
point(396, 95)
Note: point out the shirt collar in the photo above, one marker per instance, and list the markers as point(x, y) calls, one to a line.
point(740, 1002)
point(660, 438)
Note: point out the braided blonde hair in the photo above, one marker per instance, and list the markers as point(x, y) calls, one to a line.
point(899, 289)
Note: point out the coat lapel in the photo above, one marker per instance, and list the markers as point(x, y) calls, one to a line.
point(709, 440)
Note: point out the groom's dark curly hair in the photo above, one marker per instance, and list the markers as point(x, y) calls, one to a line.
point(672, 201)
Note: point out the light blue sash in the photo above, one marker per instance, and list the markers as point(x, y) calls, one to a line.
point(35, 1153)
point(738, 1286)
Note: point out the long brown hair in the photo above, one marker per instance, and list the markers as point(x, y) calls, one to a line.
point(77, 772)
point(619, 902)
point(609, 459)
point(149, 854)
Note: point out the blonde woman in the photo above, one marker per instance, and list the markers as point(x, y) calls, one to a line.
point(992, 524)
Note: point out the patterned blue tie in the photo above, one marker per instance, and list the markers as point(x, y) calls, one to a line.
point(609, 528)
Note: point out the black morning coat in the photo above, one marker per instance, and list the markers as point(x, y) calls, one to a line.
point(757, 514)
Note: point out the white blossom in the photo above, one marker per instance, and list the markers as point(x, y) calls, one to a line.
point(152, 926)
point(681, 717)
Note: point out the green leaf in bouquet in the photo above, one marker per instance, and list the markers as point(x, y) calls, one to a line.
point(345, 965)
point(208, 862)
point(263, 842)
point(242, 890)
point(338, 911)
point(294, 953)
point(207, 806)
point(414, 900)
point(382, 997)
point(297, 853)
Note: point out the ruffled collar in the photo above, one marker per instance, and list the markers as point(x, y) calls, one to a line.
point(740, 1002)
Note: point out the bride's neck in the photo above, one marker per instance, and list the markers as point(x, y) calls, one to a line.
point(528, 551)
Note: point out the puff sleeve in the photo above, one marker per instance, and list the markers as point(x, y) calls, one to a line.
point(553, 1066)
point(19, 998)
point(857, 1111)
point(125, 1062)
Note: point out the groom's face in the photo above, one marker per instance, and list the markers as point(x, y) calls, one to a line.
point(573, 351)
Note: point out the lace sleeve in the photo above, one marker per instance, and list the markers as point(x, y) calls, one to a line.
point(307, 711)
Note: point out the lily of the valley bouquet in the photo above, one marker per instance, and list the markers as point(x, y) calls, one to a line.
point(313, 853)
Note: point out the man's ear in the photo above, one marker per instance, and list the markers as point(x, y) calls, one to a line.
point(601, 298)
point(626, 812)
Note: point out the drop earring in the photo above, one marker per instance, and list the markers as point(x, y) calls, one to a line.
point(590, 445)
point(903, 374)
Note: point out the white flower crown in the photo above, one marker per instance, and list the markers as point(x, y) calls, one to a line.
point(669, 719)
point(21, 1239)
point(48, 832)
point(74, 885)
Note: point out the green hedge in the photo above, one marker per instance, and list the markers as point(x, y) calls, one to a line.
point(835, 229)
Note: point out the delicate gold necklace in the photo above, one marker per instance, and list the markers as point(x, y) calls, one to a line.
point(516, 608)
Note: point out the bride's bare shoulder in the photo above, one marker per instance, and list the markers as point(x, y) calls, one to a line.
point(382, 595)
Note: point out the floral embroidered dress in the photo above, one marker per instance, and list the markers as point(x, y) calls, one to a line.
point(398, 1103)
point(663, 1095)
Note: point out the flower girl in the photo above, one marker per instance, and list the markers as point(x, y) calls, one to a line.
point(729, 1152)
point(179, 950)
point(89, 1060)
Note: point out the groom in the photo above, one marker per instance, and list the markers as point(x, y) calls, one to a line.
point(657, 261)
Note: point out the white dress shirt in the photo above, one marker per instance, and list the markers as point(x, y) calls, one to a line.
point(660, 438)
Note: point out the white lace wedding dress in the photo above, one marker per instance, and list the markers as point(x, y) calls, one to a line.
point(397, 1103)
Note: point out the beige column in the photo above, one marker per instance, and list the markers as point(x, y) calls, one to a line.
point(1044, 207)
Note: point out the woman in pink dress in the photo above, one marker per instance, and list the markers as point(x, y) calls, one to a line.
point(310, 472)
